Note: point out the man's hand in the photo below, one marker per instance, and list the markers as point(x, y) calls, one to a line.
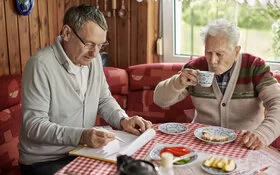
point(252, 140)
point(135, 125)
point(96, 137)
point(189, 77)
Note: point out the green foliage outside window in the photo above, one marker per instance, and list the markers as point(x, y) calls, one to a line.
point(276, 38)
point(249, 19)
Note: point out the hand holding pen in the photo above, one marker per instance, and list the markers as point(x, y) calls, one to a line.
point(96, 137)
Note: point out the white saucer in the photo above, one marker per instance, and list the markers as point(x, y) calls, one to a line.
point(173, 128)
point(218, 131)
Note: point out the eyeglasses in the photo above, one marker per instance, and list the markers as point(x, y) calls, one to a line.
point(90, 45)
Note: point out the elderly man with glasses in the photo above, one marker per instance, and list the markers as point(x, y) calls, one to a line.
point(64, 88)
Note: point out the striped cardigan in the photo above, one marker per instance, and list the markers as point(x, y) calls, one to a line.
point(250, 90)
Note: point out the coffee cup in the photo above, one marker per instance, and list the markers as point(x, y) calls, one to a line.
point(206, 78)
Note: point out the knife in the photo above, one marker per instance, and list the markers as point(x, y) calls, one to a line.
point(262, 170)
point(259, 171)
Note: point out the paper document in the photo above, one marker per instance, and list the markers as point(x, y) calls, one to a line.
point(109, 152)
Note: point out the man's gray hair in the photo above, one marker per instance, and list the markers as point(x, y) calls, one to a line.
point(221, 25)
point(77, 16)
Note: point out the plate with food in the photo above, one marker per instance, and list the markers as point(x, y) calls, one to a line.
point(183, 155)
point(215, 134)
point(218, 165)
point(173, 128)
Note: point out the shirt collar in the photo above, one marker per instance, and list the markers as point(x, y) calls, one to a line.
point(63, 58)
point(229, 72)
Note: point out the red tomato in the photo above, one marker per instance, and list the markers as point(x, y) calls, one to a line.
point(176, 150)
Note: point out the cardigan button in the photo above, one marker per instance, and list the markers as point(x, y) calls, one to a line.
point(223, 104)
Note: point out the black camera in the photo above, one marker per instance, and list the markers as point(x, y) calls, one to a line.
point(127, 165)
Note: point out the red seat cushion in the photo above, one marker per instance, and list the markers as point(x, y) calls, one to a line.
point(117, 80)
point(10, 91)
point(147, 76)
point(10, 120)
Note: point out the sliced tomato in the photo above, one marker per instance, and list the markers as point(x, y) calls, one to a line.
point(176, 150)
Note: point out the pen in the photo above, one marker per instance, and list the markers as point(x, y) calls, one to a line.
point(119, 139)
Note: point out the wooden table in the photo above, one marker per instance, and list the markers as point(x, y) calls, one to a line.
point(248, 161)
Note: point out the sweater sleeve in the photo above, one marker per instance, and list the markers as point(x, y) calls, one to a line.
point(169, 92)
point(108, 107)
point(270, 127)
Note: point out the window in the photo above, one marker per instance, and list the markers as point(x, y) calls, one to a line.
point(258, 21)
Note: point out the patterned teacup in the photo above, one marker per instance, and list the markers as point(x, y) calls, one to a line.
point(206, 78)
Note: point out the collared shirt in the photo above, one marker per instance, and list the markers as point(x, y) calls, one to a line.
point(224, 78)
point(81, 73)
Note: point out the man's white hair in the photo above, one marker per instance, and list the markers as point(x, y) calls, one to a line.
point(221, 25)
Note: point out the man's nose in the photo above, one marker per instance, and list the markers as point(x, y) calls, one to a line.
point(93, 52)
point(214, 59)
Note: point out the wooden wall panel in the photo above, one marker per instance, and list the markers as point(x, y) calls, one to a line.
point(70, 3)
point(4, 58)
point(132, 39)
point(43, 23)
point(52, 19)
point(85, 1)
point(134, 33)
point(112, 35)
point(123, 35)
point(60, 14)
point(34, 29)
point(142, 35)
point(24, 42)
point(153, 31)
point(13, 38)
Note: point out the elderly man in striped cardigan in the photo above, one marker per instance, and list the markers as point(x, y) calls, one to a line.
point(242, 89)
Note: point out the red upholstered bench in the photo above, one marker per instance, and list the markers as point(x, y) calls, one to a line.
point(10, 118)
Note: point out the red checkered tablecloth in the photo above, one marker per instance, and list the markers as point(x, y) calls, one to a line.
point(87, 166)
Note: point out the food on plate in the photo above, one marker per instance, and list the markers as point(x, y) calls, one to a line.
point(210, 136)
point(230, 166)
point(209, 161)
point(215, 163)
point(176, 150)
point(220, 163)
point(182, 161)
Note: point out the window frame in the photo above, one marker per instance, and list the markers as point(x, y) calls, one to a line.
point(169, 40)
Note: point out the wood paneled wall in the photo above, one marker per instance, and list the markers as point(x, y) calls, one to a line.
point(132, 38)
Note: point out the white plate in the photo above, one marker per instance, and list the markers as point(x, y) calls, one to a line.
point(155, 153)
point(173, 128)
point(217, 131)
point(216, 171)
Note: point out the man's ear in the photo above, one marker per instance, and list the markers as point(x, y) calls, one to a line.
point(66, 32)
point(237, 50)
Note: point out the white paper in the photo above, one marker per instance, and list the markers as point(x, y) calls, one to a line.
point(112, 149)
